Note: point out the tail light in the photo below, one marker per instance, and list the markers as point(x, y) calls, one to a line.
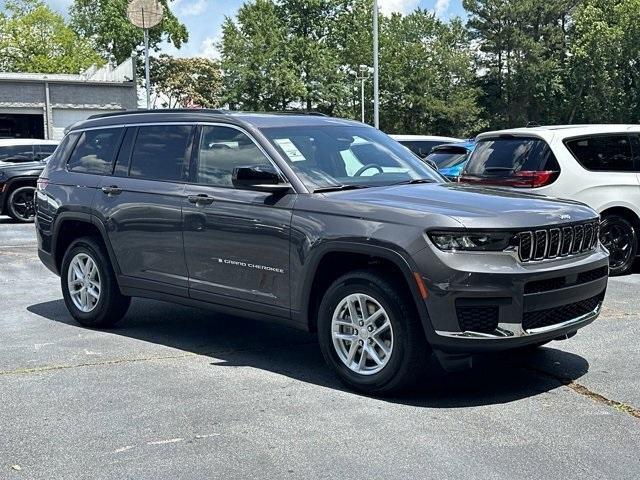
point(42, 183)
point(522, 179)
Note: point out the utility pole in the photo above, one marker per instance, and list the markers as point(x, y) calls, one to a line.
point(363, 75)
point(376, 97)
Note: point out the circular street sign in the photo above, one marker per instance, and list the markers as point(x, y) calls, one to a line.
point(145, 13)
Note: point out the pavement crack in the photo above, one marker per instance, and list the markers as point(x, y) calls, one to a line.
point(587, 392)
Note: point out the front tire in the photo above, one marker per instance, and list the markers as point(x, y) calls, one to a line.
point(620, 237)
point(20, 204)
point(89, 285)
point(370, 334)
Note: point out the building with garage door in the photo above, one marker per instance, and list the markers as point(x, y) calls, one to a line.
point(39, 105)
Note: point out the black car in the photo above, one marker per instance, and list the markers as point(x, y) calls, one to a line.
point(323, 224)
point(21, 162)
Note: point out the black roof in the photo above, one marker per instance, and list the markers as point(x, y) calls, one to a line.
point(247, 119)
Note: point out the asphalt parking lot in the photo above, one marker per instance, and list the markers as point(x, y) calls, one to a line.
point(175, 392)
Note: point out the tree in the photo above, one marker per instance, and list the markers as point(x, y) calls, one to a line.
point(33, 38)
point(522, 56)
point(604, 68)
point(186, 82)
point(105, 22)
point(257, 60)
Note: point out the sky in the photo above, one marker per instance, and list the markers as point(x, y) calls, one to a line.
point(204, 18)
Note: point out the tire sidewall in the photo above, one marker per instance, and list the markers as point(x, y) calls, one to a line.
point(10, 209)
point(95, 316)
point(613, 219)
point(334, 295)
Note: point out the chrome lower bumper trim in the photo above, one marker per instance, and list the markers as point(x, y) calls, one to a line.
point(514, 330)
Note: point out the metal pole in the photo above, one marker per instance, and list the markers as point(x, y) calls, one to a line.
point(362, 98)
point(146, 66)
point(376, 99)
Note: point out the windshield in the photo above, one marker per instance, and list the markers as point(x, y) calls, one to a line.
point(448, 159)
point(336, 155)
point(506, 156)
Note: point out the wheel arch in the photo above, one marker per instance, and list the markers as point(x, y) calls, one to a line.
point(70, 226)
point(334, 259)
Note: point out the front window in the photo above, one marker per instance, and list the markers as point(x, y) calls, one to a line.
point(331, 156)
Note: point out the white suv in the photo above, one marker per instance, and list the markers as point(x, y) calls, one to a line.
point(595, 164)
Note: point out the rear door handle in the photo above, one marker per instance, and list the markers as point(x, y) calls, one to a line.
point(201, 199)
point(112, 190)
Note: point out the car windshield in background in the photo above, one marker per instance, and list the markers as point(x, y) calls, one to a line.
point(339, 156)
point(448, 158)
point(422, 148)
point(502, 157)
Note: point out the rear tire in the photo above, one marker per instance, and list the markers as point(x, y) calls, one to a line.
point(403, 339)
point(20, 204)
point(89, 285)
point(620, 237)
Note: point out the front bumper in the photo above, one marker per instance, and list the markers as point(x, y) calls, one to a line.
point(482, 302)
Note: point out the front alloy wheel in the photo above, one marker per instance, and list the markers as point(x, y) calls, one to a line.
point(362, 334)
point(618, 236)
point(21, 204)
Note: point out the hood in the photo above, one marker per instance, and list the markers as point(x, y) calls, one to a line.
point(472, 206)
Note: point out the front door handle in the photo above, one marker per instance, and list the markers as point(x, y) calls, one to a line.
point(201, 199)
point(112, 190)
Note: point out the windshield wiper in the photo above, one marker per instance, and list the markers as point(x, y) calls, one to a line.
point(414, 181)
point(337, 188)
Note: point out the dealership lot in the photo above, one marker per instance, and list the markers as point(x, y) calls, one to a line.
point(175, 392)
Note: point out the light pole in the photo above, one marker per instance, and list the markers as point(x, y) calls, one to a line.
point(376, 98)
point(363, 75)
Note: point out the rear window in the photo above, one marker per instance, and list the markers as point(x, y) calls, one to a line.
point(610, 153)
point(448, 158)
point(16, 153)
point(94, 151)
point(502, 157)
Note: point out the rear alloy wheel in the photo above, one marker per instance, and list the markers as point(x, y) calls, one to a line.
point(21, 204)
point(619, 236)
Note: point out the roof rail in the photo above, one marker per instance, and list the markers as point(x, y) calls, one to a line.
point(202, 110)
point(158, 111)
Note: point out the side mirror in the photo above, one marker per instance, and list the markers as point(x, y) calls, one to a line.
point(260, 178)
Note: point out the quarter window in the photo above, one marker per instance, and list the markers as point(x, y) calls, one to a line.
point(94, 151)
point(221, 150)
point(610, 153)
point(162, 152)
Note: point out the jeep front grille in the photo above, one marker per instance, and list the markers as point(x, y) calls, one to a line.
point(548, 243)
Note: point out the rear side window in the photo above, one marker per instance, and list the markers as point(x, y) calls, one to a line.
point(611, 153)
point(162, 152)
point(16, 153)
point(502, 157)
point(95, 151)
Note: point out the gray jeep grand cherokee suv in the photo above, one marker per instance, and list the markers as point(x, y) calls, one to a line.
point(323, 224)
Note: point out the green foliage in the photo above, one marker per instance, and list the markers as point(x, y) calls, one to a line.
point(300, 54)
point(105, 22)
point(186, 82)
point(33, 38)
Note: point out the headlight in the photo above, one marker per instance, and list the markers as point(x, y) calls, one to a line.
point(476, 241)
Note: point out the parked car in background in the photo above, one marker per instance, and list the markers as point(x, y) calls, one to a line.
point(18, 150)
point(421, 145)
point(324, 224)
point(595, 164)
point(451, 158)
point(21, 162)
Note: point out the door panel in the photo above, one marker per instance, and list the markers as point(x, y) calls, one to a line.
point(236, 241)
